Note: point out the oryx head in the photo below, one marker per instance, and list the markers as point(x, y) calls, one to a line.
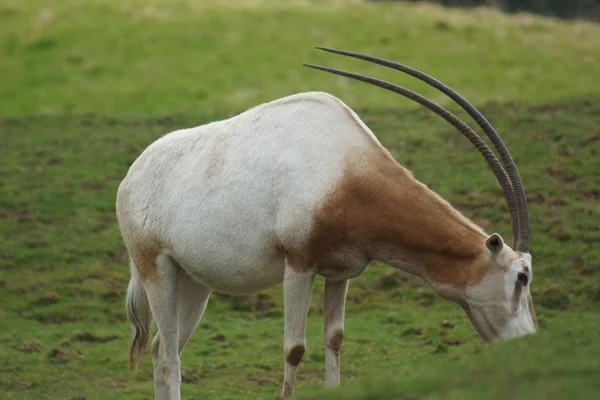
point(496, 298)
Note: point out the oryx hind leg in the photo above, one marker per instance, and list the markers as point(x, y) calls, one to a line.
point(192, 298)
point(162, 289)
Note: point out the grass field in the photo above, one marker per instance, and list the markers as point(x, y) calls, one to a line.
point(84, 88)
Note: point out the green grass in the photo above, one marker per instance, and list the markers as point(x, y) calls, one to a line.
point(555, 364)
point(90, 86)
point(160, 57)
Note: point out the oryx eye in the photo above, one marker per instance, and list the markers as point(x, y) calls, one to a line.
point(523, 279)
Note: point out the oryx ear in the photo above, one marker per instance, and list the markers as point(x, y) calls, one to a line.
point(494, 243)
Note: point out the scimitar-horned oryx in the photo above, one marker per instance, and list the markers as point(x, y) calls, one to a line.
point(300, 187)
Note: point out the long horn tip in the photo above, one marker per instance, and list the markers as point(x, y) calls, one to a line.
point(313, 66)
point(328, 49)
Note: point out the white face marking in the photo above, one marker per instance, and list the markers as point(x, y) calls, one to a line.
point(498, 305)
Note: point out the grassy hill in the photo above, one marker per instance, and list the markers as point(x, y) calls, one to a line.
point(162, 56)
point(86, 87)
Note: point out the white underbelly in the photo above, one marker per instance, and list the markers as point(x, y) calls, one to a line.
point(234, 275)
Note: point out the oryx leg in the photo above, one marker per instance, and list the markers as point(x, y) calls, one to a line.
point(192, 298)
point(163, 296)
point(297, 291)
point(334, 303)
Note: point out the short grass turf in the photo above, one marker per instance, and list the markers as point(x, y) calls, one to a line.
point(156, 57)
point(69, 137)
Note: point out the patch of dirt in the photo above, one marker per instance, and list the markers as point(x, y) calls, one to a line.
point(189, 379)
point(561, 234)
point(554, 297)
point(55, 318)
point(88, 337)
point(552, 108)
point(537, 198)
point(263, 303)
point(393, 280)
point(472, 202)
point(581, 267)
point(308, 373)
point(30, 346)
point(55, 160)
point(18, 216)
point(413, 332)
point(259, 303)
point(426, 298)
point(441, 348)
point(587, 194)
point(92, 185)
point(219, 337)
point(559, 201)
point(58, 356)
point(557, 171)
point(36, 243)
point(413, 397)
point(22, 386)
point(566, 151)
point(47, 299)
point(452, 341)
point(591, 140)
point(113, 291)
point(258, 380)
point(447, 324)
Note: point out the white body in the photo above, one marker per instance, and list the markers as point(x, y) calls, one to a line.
point(269, 168)
point(280, 193)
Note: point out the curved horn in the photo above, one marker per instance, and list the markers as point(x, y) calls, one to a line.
point(463, 128)
point(517, 202)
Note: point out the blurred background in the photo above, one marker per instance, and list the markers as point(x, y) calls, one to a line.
point(85, 86)
point(586, 9)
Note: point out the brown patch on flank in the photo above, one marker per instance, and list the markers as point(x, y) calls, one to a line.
point(144, 255)
point(294, 356)
point(383, 213)
point(143, 249)
point(215, 158)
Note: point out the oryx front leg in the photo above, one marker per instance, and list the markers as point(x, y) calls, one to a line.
point(333, 315)
point(297, 291)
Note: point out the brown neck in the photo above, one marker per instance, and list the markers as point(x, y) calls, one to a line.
point(395, 219)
